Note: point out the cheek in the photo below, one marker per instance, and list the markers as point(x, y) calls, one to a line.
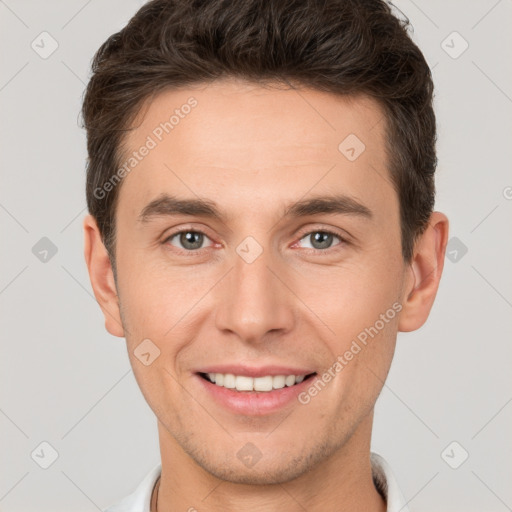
point(156, 296)
point(359, 305)
point(352, 295)
point(165, 306)
point(158, 382)
point(364, 356)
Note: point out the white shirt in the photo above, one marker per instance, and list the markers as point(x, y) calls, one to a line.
point(140, 499)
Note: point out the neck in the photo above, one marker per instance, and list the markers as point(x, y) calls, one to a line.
point(342, 482)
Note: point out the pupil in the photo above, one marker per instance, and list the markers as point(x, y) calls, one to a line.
point(191, 240)
point(321, 240)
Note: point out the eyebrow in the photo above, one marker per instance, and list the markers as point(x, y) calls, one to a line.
point(166, 205)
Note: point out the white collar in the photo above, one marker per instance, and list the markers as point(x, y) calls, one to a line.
point(139, 500)
point(385, 482)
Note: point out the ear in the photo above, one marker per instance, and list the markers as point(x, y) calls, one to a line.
point(424, 274)
point(101, 276)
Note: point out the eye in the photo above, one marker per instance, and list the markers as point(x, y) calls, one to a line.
point(188, 240)
point(320, 240)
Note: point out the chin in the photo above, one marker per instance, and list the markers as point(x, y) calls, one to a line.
point(261, 474)
point(279, 468)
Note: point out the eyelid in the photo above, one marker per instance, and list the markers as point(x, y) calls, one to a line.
point(323, 229)
point(187, 229)
point(344, 239)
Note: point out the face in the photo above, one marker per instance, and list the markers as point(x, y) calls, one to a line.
point(256, 242)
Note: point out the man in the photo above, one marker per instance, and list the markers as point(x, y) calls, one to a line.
point(261, 188)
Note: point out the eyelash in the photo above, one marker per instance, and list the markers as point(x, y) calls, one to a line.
point(343, 241)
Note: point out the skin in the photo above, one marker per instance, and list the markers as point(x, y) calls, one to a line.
point(255, 150)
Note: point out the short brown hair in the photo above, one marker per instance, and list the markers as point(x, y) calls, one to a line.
point(345, 47)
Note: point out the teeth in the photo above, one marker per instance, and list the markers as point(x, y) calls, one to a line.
point(229, 381)
point(278, 381)
point(244, 383)
point(289, 380)
point(263, 383)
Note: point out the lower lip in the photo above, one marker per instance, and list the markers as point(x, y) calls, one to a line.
point(255, 403)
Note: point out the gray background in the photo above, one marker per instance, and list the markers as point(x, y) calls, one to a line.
point(67, 382)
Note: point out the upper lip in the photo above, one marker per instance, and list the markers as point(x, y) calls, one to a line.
point(255, 371)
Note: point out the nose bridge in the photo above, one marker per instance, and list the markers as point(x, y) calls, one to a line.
point(253, 301)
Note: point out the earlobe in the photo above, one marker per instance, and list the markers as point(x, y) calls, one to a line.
point(101, 276)
point(424, 274)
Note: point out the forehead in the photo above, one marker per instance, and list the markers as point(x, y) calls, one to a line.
point(240, 141)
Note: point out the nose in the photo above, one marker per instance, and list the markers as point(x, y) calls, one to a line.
point(253, 301)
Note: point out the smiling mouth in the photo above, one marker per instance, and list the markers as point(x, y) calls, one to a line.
point(250, 384)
